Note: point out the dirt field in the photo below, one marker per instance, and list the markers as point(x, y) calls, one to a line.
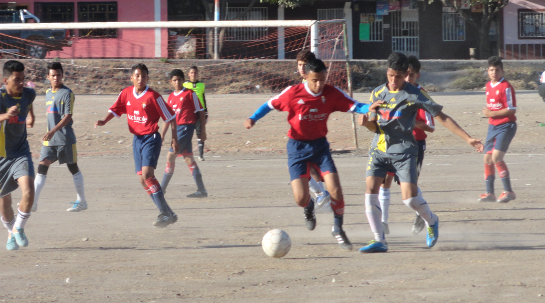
point(487, 252)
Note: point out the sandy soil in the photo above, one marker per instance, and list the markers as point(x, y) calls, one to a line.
point(487, 252)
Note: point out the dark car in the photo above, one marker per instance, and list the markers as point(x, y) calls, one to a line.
point(31, 43)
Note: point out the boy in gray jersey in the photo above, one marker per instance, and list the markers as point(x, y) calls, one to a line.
point(394, 148)
point(16, 168)
point(60, 140)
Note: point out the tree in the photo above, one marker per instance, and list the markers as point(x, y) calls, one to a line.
point(491, 9)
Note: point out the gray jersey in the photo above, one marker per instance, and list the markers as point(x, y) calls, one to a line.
point(13, 136)
point(396, 118)
point(58, 104)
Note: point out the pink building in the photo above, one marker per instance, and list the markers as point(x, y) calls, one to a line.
point(523, 30)
point(105, 43)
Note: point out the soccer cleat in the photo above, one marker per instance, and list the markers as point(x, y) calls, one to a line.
point(506, 196)
point(20, 237)
point(165, 219)
point(310, 218)
point(386, 228)
point(488, 197)
point(201, 158)
point(374, 246)
point(342, 239)
point(198, 194)
point(433, 234)
point(12, 244)
point(418, 224)
point(77, 206)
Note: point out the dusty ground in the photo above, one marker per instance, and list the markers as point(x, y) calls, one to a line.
point(487, 252)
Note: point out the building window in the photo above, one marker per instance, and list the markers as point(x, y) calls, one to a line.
point(97, 12)
point(531, 24)
point(247, 33)
point(454, 28)
point(371, 27)
point(57, 12)
point(330, 14)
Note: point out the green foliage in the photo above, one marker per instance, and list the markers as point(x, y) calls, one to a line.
point(163, 60)
point(289, 3)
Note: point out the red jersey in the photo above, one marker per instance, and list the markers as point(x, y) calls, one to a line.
point(185, 105)
point(308, 112)
point(143, 111)
point(425, 117)
point(499, 96)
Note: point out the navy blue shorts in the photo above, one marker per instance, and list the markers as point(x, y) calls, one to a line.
point(499, 137)
point(304, 154)
point(185, 134)
point(146, 150)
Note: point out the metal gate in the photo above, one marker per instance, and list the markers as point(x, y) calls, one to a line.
point(405, 37)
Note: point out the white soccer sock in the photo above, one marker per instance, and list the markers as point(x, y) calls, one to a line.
point(315, 186)
point(39, 184)
point(384, 199)
point(374, 213)
point(8, 225)
point(422, 208)
point(78, 182)
point(21, 219)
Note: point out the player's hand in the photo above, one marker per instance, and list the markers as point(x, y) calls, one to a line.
point(373, 107)
point(203, 136)
point(48, 136)
point(476, 143)
point(249, 123)
point(13, 111)
point(175, 146)
point(30, 122)
point(363, 119)
point(487, 112)
point(100, 123)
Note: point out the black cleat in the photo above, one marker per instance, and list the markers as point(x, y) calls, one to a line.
point(310, 219)
point(342, 239)
point(165, 219)
point(198, 194)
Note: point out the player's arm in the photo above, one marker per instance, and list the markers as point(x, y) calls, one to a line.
point(424, 126)
point(202, 117)
point(67, 118)
point(498, 113)
point(174, 141)
point(30, 118)
point(11, 112)
point(164, 130)
point(261, 112)
point(103, 122)
point(451, 125)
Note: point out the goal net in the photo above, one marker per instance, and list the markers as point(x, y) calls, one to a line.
point(232, 56)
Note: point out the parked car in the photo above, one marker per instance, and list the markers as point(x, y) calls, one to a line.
point(31, 43)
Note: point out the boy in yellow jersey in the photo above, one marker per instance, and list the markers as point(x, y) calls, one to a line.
point(198, 87)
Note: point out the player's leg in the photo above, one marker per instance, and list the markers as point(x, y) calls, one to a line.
point(317, 187)
point(418, 222)
point(8, 220)
point(169, 169)
point(333, 184)
point(301, 195)
point(26, 183)
point(197, 176)
point(489, 171)
point(503, 140)
point(384, 199)
point(48, 155)
point(68, 154)
point(199, 141)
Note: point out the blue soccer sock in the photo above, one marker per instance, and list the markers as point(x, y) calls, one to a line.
point(169, 171)
point(158, 196)
point(489, 177)
point(197, 176)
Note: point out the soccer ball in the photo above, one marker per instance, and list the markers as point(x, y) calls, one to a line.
point(276, 243)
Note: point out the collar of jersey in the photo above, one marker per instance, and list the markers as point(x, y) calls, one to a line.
point(494, 85)
point(138, 96)
point(177, 94)
point(308, 90)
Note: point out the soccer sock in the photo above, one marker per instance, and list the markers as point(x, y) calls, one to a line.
point(39, 184)
point(338, 214)
point(8, 225)
point(422, 208)
point(201, 147)
point(80, 189)
point(196, 173)
point(169, 171)
point(21, 219)
point(157, 195)
point(374, 214)
point(315, 187)
point(489, 177)
point(310, 204)
point(384, 199)
point(504, 175)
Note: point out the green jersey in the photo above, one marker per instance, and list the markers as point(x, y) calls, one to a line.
point(198, 88)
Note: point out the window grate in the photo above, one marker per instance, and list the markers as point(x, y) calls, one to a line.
point(531, 24)
point(454, 28)
point(247, 33)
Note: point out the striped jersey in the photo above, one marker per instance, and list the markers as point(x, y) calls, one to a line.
point(396, 118)
point(143, 110)
point(185, 105)
point(58, 104)
point(500, 96)
point(13, 134)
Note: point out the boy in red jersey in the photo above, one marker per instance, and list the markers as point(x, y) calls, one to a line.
point(144, 107)
point(309, 105)
point(501, 106)
point(187, 107)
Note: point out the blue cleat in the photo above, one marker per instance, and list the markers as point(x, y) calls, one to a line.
point(374, 246)
point(20, 237)
point(433, 234)
point(12, 244)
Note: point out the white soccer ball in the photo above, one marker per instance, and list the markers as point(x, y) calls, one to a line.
point(276, 243)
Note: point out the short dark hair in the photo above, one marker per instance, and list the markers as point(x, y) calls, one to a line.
point(495, 61)
point(315, 66)
point(54, 66)
point(141, 66)
point(398, 62)
point(12, 66)
point(414, 64)
point(176, 72)
point(194, 67)
point(305, 56)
